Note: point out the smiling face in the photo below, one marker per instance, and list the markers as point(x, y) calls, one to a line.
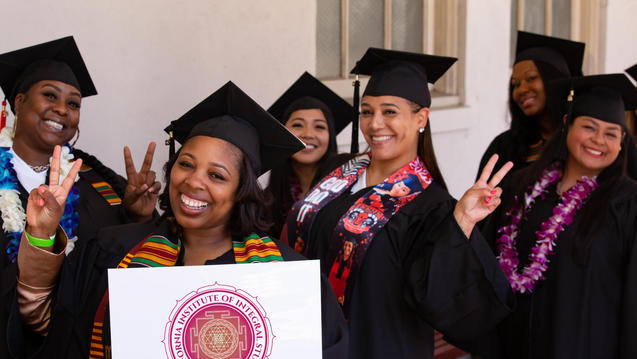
point(592, 145)
point(312, 128)
point(528, 88)
point(391, 128)
point(48, 114)
point(399, 189)
point(204, 182)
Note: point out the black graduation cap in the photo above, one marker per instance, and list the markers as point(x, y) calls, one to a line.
point(566, 56)
point(309, 86)
point(402, 74)
point(233, 116)
point(604, 97)
point(58, 60)
point(632, 71)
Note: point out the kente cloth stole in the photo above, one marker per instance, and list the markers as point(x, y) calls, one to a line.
point(158, 251)
point(366, 217)
point(103, 188)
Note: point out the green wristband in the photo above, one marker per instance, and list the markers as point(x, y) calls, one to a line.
point(39, 242)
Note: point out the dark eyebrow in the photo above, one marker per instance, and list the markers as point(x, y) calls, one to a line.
point(382, 104)
point(215, 164)
point(591, 122)
point(221, 166)
point(59, 90)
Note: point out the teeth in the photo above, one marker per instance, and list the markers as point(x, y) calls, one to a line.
point(55, 125)
point(311, 147)
point(380, 138)
point(193, 203)
point(596, 153)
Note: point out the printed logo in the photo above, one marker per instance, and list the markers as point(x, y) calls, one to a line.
point(218, 322)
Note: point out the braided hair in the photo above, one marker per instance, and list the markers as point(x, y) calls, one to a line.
point(116, 181)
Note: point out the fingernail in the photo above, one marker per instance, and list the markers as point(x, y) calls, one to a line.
point(492, 191)
point(144, 187)
point(41, 189)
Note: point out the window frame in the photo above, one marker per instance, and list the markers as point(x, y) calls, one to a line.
point(449, 91)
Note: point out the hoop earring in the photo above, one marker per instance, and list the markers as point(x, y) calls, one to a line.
point(15, 123)
point(421, 130)
point(76, 138)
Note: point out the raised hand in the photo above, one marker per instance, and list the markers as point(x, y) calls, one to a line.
point(482, 198)
point(142, 189)
point(45, 206)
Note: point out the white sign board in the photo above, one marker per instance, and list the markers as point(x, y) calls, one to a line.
point(255, 311)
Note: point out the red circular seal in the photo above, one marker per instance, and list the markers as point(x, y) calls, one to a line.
point(218, 322)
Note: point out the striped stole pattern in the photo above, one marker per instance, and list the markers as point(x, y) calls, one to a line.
point(256, 249)
point(105, 190)
point(154, 251)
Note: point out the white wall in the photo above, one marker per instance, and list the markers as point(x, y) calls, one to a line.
point(484, 114)
point(621, 30)
point(151, 61)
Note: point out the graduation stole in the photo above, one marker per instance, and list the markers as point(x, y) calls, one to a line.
point(103, 188)
point(363, 219)
point(158, 251)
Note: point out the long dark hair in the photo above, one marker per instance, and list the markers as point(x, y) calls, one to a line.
point(249, 214)
point(592, 213)
point(426, 149)
point(526, 130)
point(279, 183)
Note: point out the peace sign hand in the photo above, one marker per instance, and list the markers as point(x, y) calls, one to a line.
point(482, 198)
point(140, 196)
point(45, 206)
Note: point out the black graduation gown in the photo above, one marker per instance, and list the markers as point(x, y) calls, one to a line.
point(94, 212)
point(80, 290)
point(420, 271)
point(578, 310)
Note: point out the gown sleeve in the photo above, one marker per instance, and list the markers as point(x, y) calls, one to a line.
point(628, 344)
point(455, 283)
point(38, 272)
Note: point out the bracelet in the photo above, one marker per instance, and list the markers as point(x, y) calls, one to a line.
point(39, 242)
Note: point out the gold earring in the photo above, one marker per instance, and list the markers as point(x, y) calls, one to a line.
point(76, 138)
point(620, 147)
point(15, 123)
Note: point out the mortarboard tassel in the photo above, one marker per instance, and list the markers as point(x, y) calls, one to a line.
point(3, 114)
point(356, 100)
point(569, 111)
point(171, 145)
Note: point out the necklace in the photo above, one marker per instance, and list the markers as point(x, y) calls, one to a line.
point(13, 214)
point(570, 202)
point(40, 169)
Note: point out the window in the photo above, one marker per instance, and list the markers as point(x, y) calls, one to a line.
point(346, 28)
point(565, 19)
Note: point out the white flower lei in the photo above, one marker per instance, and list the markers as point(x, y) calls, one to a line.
point(13, 215)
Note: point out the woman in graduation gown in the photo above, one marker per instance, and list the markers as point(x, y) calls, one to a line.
point(571, 252)
point(214, 206)
point(534, 113)
point(315, 114)
point(400, 255)
point(44, 85)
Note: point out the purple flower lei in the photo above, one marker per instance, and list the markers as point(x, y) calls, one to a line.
point(563, 214)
